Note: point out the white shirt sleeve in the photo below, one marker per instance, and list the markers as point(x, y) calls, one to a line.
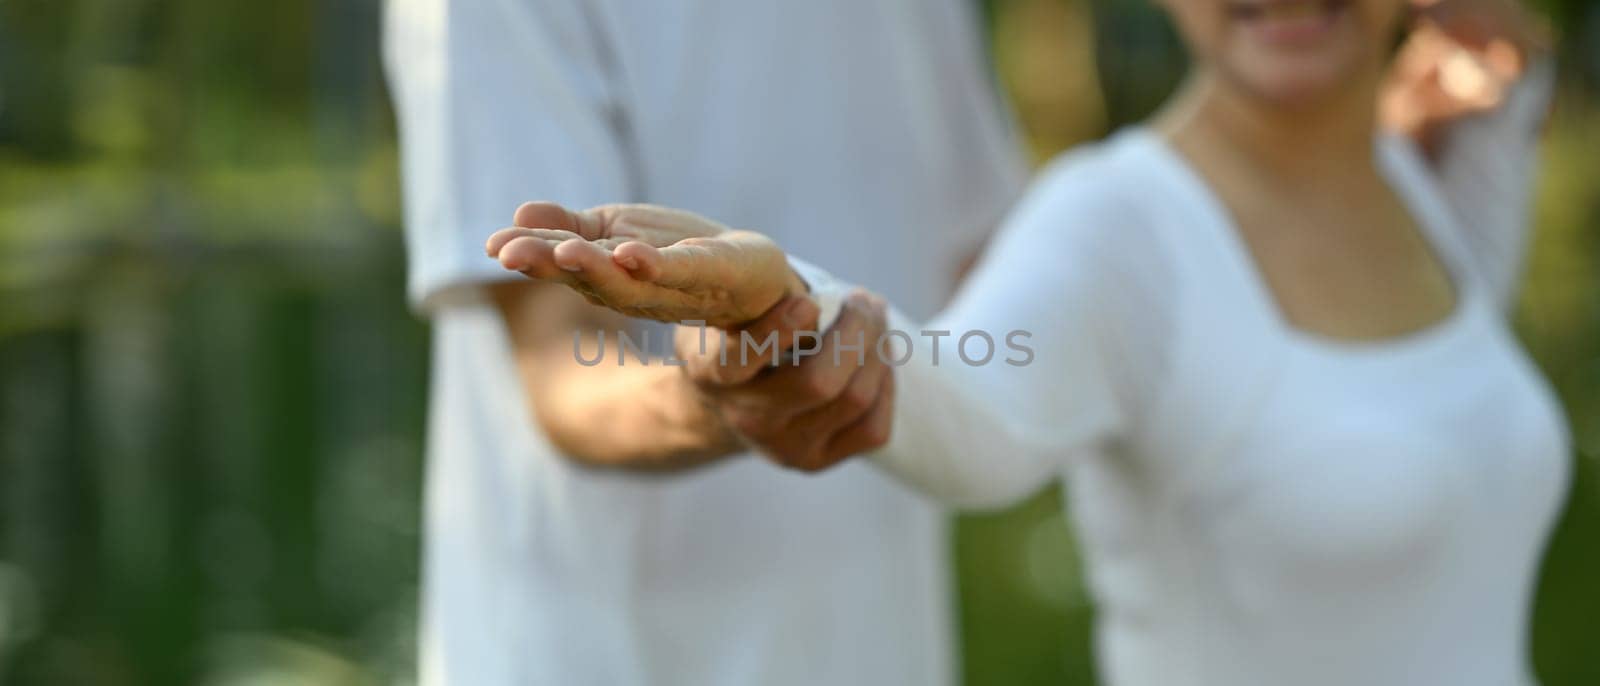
point(1067, 297)
point(1485, 170)
point(498, 102)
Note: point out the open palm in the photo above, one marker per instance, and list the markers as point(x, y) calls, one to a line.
point(648, 261)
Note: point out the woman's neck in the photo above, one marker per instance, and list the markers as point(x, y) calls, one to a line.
point(1306, 142)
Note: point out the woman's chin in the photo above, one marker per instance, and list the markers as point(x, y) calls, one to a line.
point(1294, 86)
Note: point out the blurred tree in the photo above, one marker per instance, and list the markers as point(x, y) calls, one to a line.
point(35, 98)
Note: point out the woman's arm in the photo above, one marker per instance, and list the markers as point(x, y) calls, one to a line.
point(975, 437)
point(1486, 167)
point(1472, 87)
point(1074, 296)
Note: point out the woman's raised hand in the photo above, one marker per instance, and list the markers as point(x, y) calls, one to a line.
point(648, 261)
point(1460, 59)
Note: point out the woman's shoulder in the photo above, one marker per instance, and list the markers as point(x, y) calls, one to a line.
point(1108, 167)
point(1101, 189)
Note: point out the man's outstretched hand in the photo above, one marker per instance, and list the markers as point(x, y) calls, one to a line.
point(648, 261)
point(675, 266)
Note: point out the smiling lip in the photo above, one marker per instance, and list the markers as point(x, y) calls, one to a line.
point(1288, 22)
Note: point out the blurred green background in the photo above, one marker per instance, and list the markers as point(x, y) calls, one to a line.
point(211, 392)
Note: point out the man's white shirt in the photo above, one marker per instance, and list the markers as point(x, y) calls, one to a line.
point(865, 135)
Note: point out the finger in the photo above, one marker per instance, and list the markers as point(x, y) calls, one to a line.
point(796, 387)
point(534, 257)
point(578, 255)
point(803, 443)
point(499, 239)
point(655, 225)
point(790, 410)
point(871, 432)
point(548, 215)
point(642, 260)
point(738, 357)
point(850, 406)
point(795, 314)
point(592, 271)
point(590, 265)
point(791, 387)
point(680, 265)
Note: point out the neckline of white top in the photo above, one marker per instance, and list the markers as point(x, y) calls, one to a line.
point(1187, 180)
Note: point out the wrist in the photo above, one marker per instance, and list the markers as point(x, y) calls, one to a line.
point(822, 288)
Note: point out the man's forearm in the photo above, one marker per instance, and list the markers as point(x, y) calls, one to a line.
point(634, 416)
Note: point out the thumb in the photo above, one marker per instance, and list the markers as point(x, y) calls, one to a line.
point(747, 351)
point(794, 314)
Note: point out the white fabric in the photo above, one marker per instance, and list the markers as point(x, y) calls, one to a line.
point(1257, 505)
point(866, 134)
point(1486, 172)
